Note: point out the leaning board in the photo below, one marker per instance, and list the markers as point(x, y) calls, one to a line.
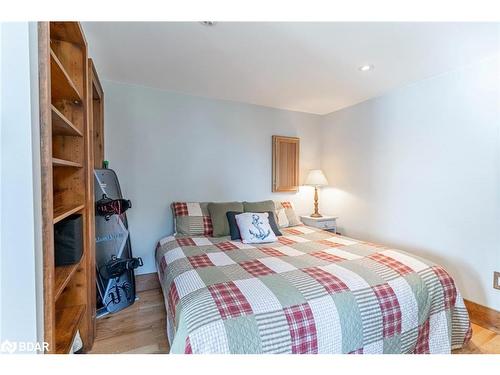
point(112, 238)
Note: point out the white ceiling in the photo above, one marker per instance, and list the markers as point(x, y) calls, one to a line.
point(308, 67)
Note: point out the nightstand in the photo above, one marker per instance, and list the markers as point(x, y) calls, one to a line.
point(328, 223)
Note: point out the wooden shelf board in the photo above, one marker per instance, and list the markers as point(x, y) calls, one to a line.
point(65, 163)
point(68, 32)
point(63, 211)
point(62, 126)
point(62, 86)
point(63, 275)
point(67, 321)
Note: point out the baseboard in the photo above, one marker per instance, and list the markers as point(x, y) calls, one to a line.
point(147, 281)
point(483, 316)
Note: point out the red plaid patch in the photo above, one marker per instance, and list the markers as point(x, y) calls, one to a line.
point(173, 298)
point(271, 252)
point(329, 243)
point(331, 283)
point(357, 351)
point(302, 329)
point(293, 231)
point(391, 263)
point(187, 347)
point(391, 312)
point(256, 268)
point(286, 205)
point(199, 261)
point(188, 241)
point(450, 292)
point(286, 241)
point(226, 246)
point(422, 346)
point(180, 209)
point(229, 300)
point(325, 256)
point(208, 229)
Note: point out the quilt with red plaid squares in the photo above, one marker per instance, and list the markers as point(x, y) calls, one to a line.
point(310, 292)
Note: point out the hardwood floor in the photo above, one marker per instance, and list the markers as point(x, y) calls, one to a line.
point(141, 328)
point(483, 341)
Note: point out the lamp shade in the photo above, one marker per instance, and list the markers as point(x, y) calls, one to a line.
point(316, 177)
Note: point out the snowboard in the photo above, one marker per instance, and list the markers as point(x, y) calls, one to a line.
point(112, 239)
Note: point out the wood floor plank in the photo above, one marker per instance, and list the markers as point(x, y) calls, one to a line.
point(492, 346)
point(141, 329)
point(481, 335)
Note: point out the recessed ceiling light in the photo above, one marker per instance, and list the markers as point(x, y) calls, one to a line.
point(208, 23)
point(366, 68)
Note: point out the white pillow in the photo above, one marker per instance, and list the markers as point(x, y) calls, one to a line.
point(282, 218)
point(254, 227)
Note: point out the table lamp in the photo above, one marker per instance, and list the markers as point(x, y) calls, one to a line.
point(317, 179)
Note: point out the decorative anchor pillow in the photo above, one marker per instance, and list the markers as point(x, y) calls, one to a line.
point(254, 227)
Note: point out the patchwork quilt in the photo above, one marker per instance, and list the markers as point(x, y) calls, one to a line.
point(310, 292)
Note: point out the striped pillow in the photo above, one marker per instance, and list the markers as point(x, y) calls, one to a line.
point(192, 218)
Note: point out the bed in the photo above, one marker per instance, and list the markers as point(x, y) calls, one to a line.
point(312, 291)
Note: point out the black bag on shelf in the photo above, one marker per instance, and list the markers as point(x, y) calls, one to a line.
point(68, 241)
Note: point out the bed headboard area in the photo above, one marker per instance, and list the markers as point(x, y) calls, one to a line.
point(195, 149)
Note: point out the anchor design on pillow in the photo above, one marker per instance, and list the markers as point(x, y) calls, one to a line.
point(256, 222)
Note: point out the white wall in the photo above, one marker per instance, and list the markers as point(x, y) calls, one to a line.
point(21, 309)
point(167, 146)
point(419, 169)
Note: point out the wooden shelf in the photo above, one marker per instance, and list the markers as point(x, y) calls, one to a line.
point(62, 126)
point(62, 86)
point(65, 163)
point(63, 275)
point(63, 211)
point(67, 321)
point(68, 32)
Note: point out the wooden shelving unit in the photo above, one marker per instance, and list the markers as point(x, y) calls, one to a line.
point(63, 275)
point(63, 211)
point(68, 319)
point(62, 126)
point(67, 181)
point(63, 87)
point(96, 106)
point(65, 163)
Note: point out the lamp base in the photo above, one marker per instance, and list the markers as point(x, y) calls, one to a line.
point(316, 211)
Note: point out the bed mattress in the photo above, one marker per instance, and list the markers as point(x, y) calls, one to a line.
point(312, 291)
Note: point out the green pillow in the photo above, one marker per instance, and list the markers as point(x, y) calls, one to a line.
point(263, 206)
point(218, 215)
